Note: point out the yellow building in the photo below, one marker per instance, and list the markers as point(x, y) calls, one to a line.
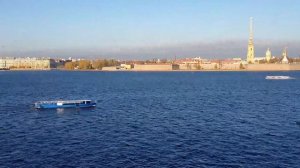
point(25, 63)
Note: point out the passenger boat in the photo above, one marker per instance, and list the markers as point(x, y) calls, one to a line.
point(64, 104)
point(278, 77)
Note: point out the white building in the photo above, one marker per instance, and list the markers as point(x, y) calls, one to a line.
point(257, 59)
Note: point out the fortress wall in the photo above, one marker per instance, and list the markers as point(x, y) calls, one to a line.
point(182, 67)
point(153, 67)
point(111, 68)
point(212, 66)
point(294, 67)
point(187, 67)
point(175, 67)
point(272, 67)
point(230, 66)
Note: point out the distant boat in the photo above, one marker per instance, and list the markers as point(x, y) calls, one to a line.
point(64, 104)
point(278, 77)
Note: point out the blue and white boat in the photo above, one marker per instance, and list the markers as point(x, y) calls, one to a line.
point(64, 104)
point(279, 77)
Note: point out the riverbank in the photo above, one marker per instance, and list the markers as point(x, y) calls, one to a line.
point(132, 70)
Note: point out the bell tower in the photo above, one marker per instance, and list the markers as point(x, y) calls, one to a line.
point(284, 55)
point(268, 55)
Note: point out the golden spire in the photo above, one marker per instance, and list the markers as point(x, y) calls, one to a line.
point(250, 53)
point(251, 30)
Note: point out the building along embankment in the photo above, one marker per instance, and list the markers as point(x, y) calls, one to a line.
point(25, 63)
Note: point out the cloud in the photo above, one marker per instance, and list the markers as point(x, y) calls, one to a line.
point(217, 49)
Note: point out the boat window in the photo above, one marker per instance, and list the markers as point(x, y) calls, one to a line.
point(69, 103)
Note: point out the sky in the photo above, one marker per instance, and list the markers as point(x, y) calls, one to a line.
point(145, 29)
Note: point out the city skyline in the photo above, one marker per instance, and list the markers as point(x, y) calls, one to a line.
point(148, 29)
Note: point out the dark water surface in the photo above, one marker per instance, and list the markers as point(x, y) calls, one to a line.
point(159, 119)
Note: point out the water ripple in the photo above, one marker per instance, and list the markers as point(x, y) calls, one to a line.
point(209, 119)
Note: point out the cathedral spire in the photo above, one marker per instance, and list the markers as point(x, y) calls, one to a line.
point(250, 53)
point(251, 30)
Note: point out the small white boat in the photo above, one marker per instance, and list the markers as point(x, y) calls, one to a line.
point(278, 77)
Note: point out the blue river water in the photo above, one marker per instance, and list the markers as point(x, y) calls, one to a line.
point(157, 119)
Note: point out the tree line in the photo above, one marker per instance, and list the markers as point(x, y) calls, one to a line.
point(87, 64)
